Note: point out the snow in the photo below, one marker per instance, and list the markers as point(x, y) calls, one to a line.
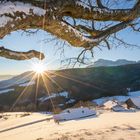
point(74, 113)
point(121, 98)
point(83, 4)
point(70, 101)
point(110, 104)
point(108, 126)
point(101, 101)
point(13, 7)
point(27, 84)
point(6, 91)
point(54, 95)
point(119, 108)
point(4, 20)
point(78, 33)
point(136, 101)
point(134, 93)
point(60, 105)
point(43, 99)
point(64, 93)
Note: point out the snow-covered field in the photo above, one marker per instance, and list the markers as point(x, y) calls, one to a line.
point(107, 125)
point(39, 126)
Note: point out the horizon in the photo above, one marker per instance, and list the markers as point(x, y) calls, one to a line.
point(137, 61)
point(20, 41)
point(29, 70)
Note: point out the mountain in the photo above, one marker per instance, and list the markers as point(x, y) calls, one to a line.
point(81, 84)
point(108, 63)
point(5, 83)
point(5, 77)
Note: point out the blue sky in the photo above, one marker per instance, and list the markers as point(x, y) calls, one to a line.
point(22, 42)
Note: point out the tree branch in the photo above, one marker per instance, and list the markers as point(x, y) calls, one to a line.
point(114, 29)
point(20, 55)
point(92, 32)
point(99, 3)
point(33, 12)
point(101, 14)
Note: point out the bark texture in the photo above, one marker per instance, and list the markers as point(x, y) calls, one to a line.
point(54, 14)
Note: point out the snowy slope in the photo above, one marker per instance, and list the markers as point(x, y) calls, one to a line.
point(102, 100)
point(53, 95)
point(119, 62)
point(134, 93)
point(5, 77)
point(27, 84)
point(108, 126)
point(6, 91)
point(108, 63)
point(17, 80)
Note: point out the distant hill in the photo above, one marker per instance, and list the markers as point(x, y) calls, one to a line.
point(13, 80)
point(81, 84)
point(5, 77)
point(109, 63)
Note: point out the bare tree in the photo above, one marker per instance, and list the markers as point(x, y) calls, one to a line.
point(81, 23)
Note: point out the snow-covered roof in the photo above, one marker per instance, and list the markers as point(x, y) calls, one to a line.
point(110, 104)
point(118, 108)
point(75, 109)
point(136, 101)
point(101, 101)
point(74, 113)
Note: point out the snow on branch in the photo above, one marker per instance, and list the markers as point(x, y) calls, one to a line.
point(9, 9)
point(20, 55)
point(22, 15)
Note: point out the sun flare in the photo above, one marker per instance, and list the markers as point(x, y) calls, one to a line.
point(39, 67)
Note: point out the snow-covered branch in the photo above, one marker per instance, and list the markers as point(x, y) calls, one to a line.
point(20, 55)
point(30, 14)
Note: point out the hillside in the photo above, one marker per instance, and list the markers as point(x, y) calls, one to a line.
point(102, 80)
point(81, 84)
point(13, 80)
point(5, 77)
point(109, 63)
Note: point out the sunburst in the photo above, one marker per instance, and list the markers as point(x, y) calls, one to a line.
point(38, 67)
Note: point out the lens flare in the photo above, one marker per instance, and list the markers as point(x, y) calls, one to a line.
point(39, 67)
